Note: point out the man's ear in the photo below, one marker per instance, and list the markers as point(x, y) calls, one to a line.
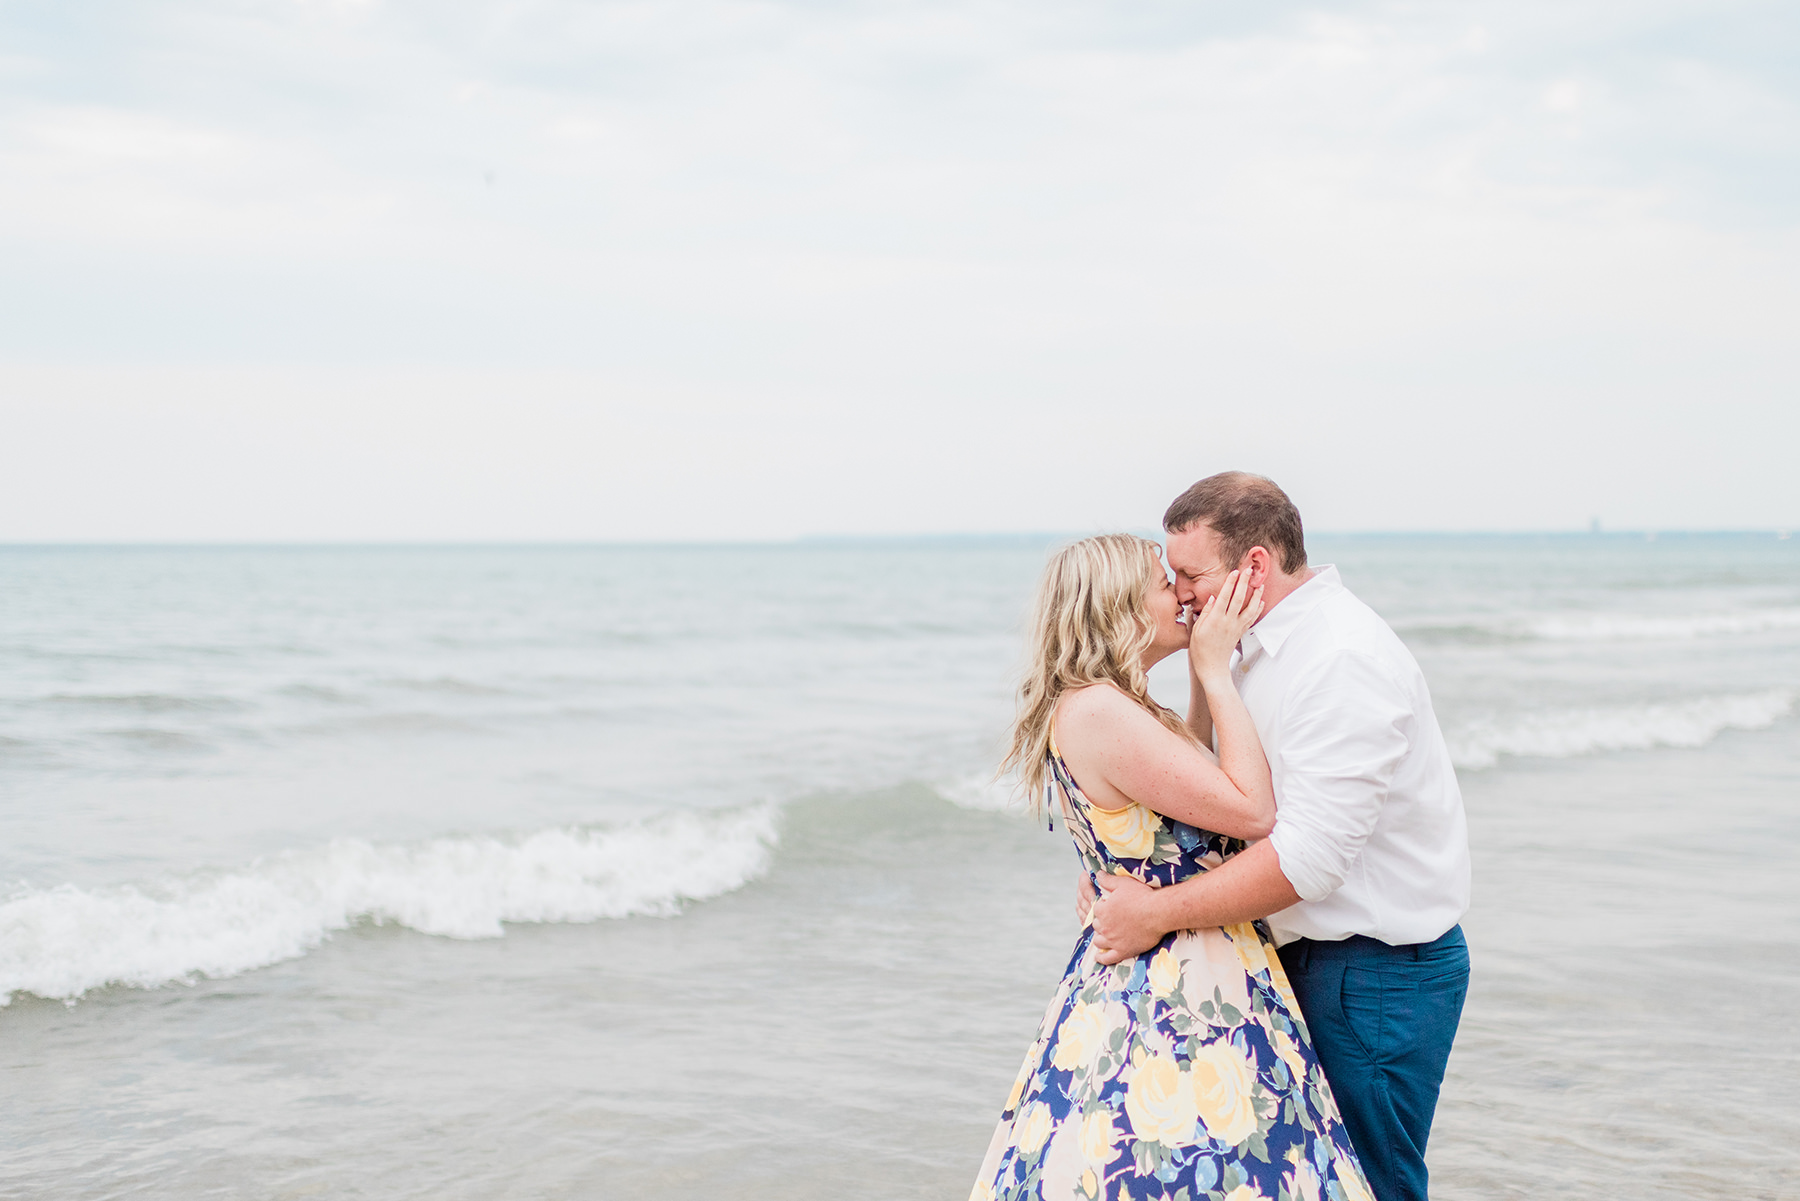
point(1258, 561)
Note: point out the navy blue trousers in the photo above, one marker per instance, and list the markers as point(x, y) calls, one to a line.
point(1382, 1020)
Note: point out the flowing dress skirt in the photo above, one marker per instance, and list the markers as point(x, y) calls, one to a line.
point(1183, 1073)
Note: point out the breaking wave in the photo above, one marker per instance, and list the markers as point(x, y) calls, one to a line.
point(61, 942)
point(1564, 733)
point(984, 791)
point(1610, 627)
point(1622, 628)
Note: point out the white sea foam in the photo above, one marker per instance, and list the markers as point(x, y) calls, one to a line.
point(1563, 733)
point(983, 791)
point(1618, 627)
point(60, 942)
point(1675, 627)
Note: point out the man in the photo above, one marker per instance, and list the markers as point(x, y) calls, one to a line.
point(1366, 874)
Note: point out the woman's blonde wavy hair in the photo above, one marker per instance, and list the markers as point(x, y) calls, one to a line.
point(1090, 624)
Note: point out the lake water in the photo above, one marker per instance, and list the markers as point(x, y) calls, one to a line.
point(675, 872)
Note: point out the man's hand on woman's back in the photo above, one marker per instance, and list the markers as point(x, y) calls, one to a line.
point(1127, 919)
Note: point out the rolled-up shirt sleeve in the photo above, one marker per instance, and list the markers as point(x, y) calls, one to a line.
point(1344, 736)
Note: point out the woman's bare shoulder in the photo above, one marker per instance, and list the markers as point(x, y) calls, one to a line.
point(1092, 700)
point(1099, 707)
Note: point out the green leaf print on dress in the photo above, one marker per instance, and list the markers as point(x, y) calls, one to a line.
point(1180, 1075)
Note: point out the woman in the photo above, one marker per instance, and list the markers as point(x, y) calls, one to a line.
point(1185, 1072)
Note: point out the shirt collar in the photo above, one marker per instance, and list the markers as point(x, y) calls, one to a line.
point(1269, 633)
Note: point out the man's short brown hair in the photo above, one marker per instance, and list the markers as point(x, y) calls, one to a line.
point(1244, 510)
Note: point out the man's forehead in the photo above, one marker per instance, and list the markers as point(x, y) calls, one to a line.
point(1193, 550)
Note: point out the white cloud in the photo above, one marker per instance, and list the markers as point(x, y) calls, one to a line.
point(958, 243)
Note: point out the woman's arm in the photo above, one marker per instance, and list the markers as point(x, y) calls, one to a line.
point(1216, 631)
point(1118, 754)
point(1199, 717)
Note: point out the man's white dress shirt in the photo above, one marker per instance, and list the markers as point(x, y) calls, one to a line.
point(1369, 824)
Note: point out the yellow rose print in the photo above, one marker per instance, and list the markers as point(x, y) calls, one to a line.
point(1165, 973)
point(1079, 1039)
point(1352, 1180)
point(1290, 1055)
point(1302, 1183)
point(1018, 1089)
point(1160, 1102)
point(1222, 1081)
point(1250, 947)
point(1099, 1135)
point(1034, 1127)
point(1129, 832)
point(1170, 1115)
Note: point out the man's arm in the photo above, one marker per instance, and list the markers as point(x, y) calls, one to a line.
point(1343, 741)
point(1130, 917)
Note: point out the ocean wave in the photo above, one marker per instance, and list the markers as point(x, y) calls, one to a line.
point(319, 692)
point(1564, 733)
point(61, 942)
point(151, 739)
point(448, 685)
point(1609, 627)
point(401, 723)
point(983, 791)
point(1632, 628)
point(144, 702)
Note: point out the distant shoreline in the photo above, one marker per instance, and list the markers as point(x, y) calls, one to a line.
point(818, 541)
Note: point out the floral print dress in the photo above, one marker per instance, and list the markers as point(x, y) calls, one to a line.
point(1181, 1074)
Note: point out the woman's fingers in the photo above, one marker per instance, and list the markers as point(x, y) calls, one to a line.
point(1199, 620)
point(1240, 593)
point(1221, 602)
point(1217, 625)
point(1255, 607)
point(1246, 602)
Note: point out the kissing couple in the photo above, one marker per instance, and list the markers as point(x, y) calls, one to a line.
point(1270, 970)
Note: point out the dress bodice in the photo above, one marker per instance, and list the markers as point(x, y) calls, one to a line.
point(1135, 841)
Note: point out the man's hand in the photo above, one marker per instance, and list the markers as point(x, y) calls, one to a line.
point(1084, 898)
point(1127, 919)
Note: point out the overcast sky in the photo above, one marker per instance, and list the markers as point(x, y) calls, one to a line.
point(325, 269)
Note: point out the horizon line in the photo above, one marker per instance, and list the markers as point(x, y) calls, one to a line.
point(1779, 533)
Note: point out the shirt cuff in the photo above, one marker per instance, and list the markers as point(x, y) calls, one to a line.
point(1300, 867)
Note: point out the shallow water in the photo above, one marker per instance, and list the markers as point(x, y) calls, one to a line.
point(761, 931)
